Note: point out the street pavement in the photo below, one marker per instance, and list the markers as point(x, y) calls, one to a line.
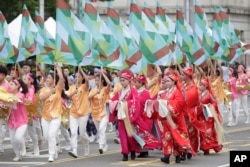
point(236, 138)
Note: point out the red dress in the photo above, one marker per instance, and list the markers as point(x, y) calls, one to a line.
point(191, 96)
point(175, 135)
point(143, 125)
point(141, 138)
point(208, 139)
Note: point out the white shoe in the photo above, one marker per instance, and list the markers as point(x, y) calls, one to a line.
point(23, 153)
point(17, 158)
point(92, 138)
point(105, 148)
point(36, 153)
point(247, 122)
point(68, 147)
point(73, 154)
point(51, 158)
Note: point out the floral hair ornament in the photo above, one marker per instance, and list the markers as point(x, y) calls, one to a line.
point(127, 74)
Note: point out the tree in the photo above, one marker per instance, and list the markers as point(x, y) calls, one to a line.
point(12, 8)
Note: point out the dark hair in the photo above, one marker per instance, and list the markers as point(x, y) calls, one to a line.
point(63, 95)
point(23, 86)
point(3, 70)
point(243, 66)
point(234, 73)
point(35, 84)
point(102, 78)
point(90, 72)
point(26, 63)
point(114, 73)
point(83, 81)
point(66, 83)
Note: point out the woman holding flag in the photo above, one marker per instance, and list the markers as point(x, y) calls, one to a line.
point(98, 97)
point(79, 111)
point(51, 95)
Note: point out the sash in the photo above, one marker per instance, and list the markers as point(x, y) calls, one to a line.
point(218, 127)
point(122, 114)
point(164, 112)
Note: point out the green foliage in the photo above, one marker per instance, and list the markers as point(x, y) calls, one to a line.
point(12, 8)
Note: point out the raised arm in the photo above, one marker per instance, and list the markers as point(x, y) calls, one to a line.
point(60, 75)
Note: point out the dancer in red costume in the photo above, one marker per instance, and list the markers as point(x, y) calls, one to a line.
point(191, 96)
point(210, 139)
point(143, 124)
point(125, 107)
point(168, 107)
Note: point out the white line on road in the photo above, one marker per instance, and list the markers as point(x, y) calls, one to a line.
point(23, 163)
point(225, 165)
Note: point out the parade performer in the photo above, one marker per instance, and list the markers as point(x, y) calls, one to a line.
point(209, 115)
point(168, 107)
point(242, 81)
point(32, 111)
point(18, 119)
point(124, 106)
point(98, 97)
point(216, 80)
point(79, 112)
point(191, 97)
point(4, 86)
point(52, 110)
point(143, 125)
point(154, 81)
point(233, 111)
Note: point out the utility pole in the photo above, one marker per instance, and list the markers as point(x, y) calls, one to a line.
point(189, 11)
point(41, 11)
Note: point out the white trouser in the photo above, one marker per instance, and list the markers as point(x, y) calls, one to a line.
point(50, 131)
point(33, 135)
point(101, 127)
point(243, 102)
point(233, 112)
point(17, 138)
point(65, 134)
point(220, 108)
point(37, 125)
point(74, 123)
